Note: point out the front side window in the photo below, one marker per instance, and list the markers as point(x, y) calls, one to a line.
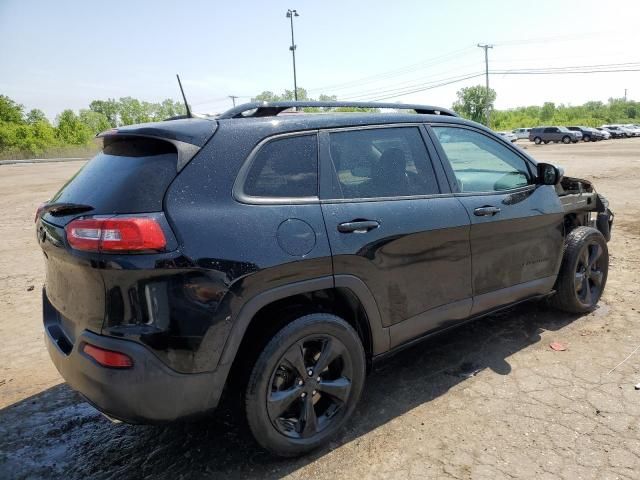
point(382, 162)
point(480, 163)
point(284, 168)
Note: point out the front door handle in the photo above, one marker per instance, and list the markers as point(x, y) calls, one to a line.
point(486, 211)
point(358, 226)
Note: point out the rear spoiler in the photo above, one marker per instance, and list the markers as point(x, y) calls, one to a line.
point(188, 136)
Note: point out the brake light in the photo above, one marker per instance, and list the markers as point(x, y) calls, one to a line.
point(108, 358)
point(116, 234)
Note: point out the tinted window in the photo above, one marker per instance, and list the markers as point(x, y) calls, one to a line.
point(480, 163)
point(285, 168)
point(128, 176)
point(382, 162)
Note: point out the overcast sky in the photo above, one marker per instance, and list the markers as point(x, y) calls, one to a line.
point(64, 53)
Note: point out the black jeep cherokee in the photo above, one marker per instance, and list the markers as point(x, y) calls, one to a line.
point(289, 252)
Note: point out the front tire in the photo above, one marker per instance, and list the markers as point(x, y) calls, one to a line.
point(583, 272)
point(586, 138)
point(537, 140)
point(566, 140)
point(305, 384)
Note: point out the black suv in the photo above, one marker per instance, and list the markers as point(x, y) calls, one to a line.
point(588, 134)
point(281, 256)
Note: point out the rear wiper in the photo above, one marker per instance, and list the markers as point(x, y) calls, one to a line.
point(59, 209)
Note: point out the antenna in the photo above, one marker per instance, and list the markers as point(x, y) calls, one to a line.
point(186, 105)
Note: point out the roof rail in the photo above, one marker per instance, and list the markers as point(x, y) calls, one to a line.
point(270, 109)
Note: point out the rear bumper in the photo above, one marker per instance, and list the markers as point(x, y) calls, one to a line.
point(148, 392)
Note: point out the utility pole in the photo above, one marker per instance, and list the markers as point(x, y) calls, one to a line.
point(290, 15)
point(486, 69)
point(233, 99)
point(625, 94)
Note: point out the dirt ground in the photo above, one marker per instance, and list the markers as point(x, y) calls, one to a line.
point(489, 400)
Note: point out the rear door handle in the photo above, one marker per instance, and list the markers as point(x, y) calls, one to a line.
point(486, 211)
point(358, 226)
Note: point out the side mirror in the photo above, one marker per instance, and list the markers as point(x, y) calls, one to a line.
point(549, 174)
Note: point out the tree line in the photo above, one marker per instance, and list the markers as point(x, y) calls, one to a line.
point(472, 103)
point(30, 133)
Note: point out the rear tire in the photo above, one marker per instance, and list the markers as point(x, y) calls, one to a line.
point(586, 138)
point(583, 272)
point(537, 140)
point(305, 384)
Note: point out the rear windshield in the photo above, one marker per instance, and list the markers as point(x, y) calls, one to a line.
point(128, 176)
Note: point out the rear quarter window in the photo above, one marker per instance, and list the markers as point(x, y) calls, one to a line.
point(284, 168)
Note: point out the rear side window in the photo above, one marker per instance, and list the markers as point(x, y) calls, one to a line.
point(130, 175)
point(284, 168)
point(382, 162)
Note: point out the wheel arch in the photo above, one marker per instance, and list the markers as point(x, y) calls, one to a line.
point(344, 295)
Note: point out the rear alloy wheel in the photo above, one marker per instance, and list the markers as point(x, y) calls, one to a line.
point(537, 140)
point(305, 384)
point(566, 140)
point(583, 273)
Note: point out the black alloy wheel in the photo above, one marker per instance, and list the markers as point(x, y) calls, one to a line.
point(305, 384)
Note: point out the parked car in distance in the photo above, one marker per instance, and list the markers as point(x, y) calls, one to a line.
point(588, 134)
point(605, 132)
point(545, 135)
point(521, 133)
point(633, 129)
point(276, 258)
point(616, 132)
point(509, 136)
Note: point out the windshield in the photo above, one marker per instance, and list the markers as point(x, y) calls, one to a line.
point(564, 129)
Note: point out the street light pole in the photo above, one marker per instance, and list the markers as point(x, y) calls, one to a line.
point(290, 15)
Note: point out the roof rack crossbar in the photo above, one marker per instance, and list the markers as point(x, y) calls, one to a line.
point(270, 109)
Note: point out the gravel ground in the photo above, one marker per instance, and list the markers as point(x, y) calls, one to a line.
point(488, 400)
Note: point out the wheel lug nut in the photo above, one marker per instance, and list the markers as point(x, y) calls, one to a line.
point(314, 392)
point(310, 372)
point(300, 383)
point(318, 379)
point(304, 394)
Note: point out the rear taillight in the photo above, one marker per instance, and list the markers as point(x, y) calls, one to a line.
point(116, 234)
point(107, 358)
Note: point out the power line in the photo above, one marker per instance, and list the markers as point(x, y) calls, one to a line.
point(394, 72)
point(422, 89)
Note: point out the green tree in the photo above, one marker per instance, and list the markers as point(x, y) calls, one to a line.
point(10, 111)
point(109, 108)
point(95, 121)
point(169, 108)
point(547, 112)
point(36, 116)
point(473, 102)
point(71, 130)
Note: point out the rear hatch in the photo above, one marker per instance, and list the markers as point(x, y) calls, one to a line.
point(127, 179)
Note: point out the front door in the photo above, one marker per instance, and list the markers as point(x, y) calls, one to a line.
point(516, 225)
point(390, 225)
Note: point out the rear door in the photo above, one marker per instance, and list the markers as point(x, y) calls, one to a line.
point(395, 227)
point(516, 225)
